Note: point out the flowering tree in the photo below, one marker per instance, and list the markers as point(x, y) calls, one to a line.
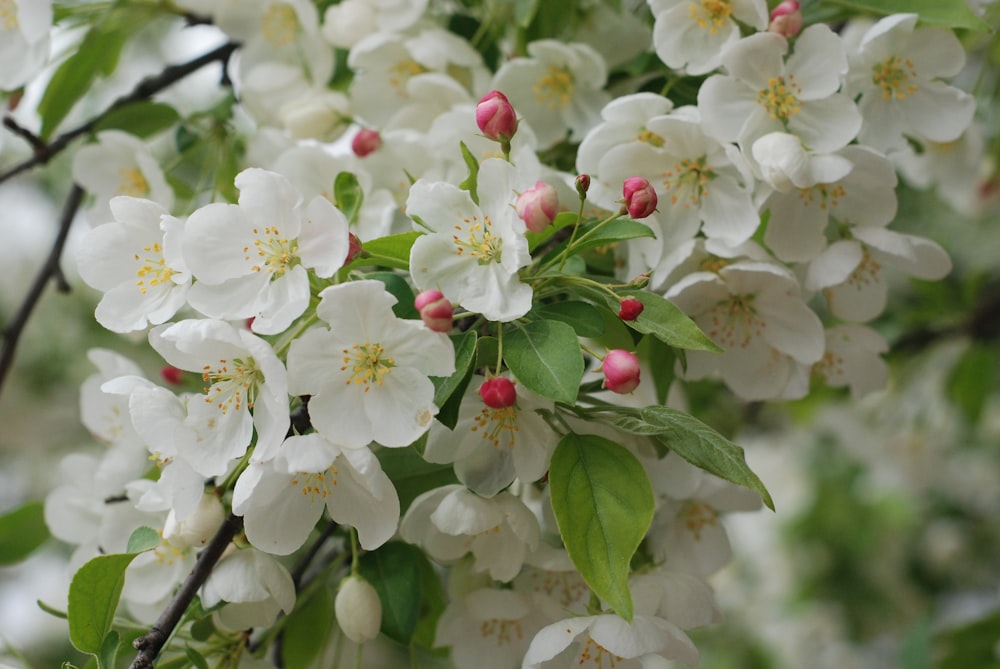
point(432, 284)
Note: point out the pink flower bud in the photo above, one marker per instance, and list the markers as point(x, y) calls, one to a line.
point(538, 206)
point(171, 375)
point(630, 308)
point(365, 142)
point(498, 393)
point(621, 371)
point(582, 184)
point(640, 197)
point(435, 310)
point(353, 247)
point(786, 19)
point(496, 117)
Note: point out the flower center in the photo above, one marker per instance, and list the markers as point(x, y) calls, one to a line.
point(866, 273)
point(8, 15)
point(153, 269)
point(279, 24)
point(554, 88)
point(479, 242)
point(830, 366)
point(166, 553)
point(688, 181)
point(733, 323)
point(232, 384)
point(593, 654)
point(828, 195)
point(895, 77)
point(402, 71)
point(132, 181)
point(780, 99)
point(698, 515)
point(315, 486)
point(710, 15)
point(367, 364)
point(713, 264)
point(271, 252)
point(650, 137)
point(505, 631)
point(497, 425)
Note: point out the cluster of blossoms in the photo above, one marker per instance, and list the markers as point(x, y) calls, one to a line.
point(401, 282)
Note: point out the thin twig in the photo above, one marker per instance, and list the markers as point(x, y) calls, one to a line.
point(144, 90)
point(150, 644)
point(12, 333)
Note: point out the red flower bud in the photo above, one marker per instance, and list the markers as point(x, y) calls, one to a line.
point(582, 184)
point(365, 142)
point(496, 117)
point(621, 371)
point(498, 393)
point(171, 375)
point(640, 197)
point(538, 206)
point(353, 247)
point(435, 310)
point(786, 19)
point(630, 308)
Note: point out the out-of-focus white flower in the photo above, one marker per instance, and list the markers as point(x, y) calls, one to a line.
point(24, 40)
point(897, 71)
point(349, 21)
point(693, 34)
point(853, 358)
point(253, 586)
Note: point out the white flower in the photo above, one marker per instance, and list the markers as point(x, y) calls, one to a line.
point(347, 22)
point(254, 587)
point(780, 160)
point(491, 446)
point(766, 90)
point(608, 640)
point(558, 89)
point(684, 599)
point(367, 373)
point(897, 72)
point(853, 359)
point(24, 40)
point(119, 164)
point(693, 34)
point(474, 251)
point(250, 259)
point(450, 521)
point(358, 609)
point(136, 261)
point(282, 499)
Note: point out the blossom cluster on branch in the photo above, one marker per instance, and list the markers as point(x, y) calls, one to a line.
point(428, 285)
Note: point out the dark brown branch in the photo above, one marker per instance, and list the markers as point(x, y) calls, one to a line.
point(150, 644)
point(12, 333)
point(144, 90)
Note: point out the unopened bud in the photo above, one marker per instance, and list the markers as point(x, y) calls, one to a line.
point(538, 206)
point(496, 117)
point(582, 184)
point(621, 371)
point(630, 308)
point(358, 609)
point(498, 393)
point(786, 19)
point(198, 528)
point(365, 141)
point(640, 197)
point(353, 247)
point(435, 310)
point(171, 375)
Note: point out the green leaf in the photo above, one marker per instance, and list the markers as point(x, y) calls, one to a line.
point(143, 539)
point(471, 182)
point(947, 13)
point(21, 532)
point(618, 230)
point(562, 220)
point(142, 119)
point(972, 379)
point(392, 251)
point(196, 659)
point(699, 444)
point(401, 290)
point(348, 196)
point(93, 599)
point(664, 320)
point(524, 12)
point(661, 360)
point(545, 356)
point(412, 475)
point(308, 629)
point(432, 604)
point(109, 651)
point(393, 570)
point(585, 319)
point(603, 504)
point(448, 390)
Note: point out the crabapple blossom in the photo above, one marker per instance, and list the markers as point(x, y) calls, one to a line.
point(496, 117)
point(692, 35)
point(250, 259)
point(783, 163)
point(538, 206)
point(345, 23)
point(473, 251)
point(358, 609)
point(253, 588)
point(367, 365)
point(435, 310)
point(640, 197)
point(621, 371)
point(136, 261)
point(24, 40)
point(786, 19)
point(853, 359)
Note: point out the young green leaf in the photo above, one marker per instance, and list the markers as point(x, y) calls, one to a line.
point(471, 182)
point(448, 391)
point(142, 119)
point(21, 532)
point(947, 13)
point(392, 251)
point(412, 475)
point(618, 230)
point(109, 651)
point(545, 356)
point(143, 539)
point(308, 628)
point(93, 599)
point(348, 196)
point(585, 319)
point(394, 572)
point(603, 503)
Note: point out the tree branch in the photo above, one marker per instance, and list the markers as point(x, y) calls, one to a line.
point(49, 270)
point(150, 644)
point(144, 90)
